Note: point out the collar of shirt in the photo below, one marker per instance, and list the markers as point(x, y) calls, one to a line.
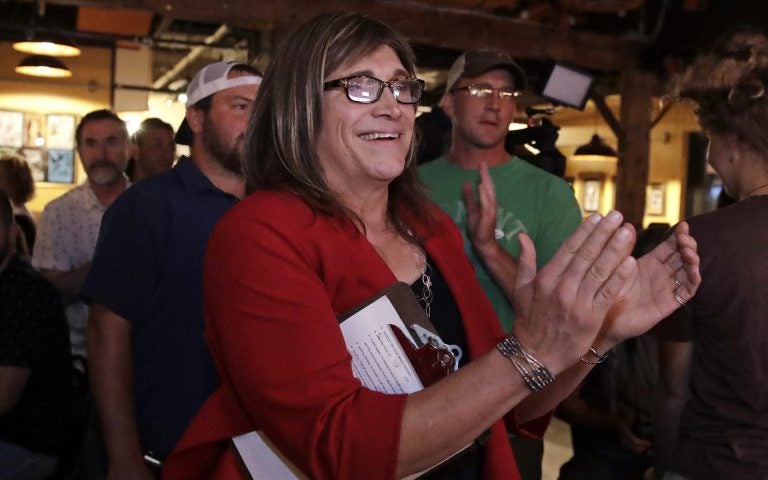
point(89, 198)
point(192, 179)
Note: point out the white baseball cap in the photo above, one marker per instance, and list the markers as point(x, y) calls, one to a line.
point(215, 78)
point(211, 79)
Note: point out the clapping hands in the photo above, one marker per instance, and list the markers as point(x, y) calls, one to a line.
point(593, 285)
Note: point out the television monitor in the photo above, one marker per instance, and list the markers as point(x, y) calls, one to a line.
point(568, 86)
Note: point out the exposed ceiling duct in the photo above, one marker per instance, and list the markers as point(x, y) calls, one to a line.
point(190, 57)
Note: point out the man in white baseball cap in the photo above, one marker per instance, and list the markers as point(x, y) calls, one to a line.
point(149, 365)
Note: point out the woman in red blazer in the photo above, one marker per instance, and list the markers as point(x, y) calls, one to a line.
point(337, 215)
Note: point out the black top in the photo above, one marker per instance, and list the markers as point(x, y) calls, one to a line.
point(444, 313)
point(34, 334)
point(447, 321)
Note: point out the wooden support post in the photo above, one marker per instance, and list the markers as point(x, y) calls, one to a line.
point(634, 144)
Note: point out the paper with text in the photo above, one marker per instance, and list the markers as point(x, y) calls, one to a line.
point(378, 360)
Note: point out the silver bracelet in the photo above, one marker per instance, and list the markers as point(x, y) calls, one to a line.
point(600, 358)
point(534, 373)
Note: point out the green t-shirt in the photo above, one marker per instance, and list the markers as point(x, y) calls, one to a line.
point(529, 200)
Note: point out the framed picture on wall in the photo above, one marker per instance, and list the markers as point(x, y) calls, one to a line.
point(61, 166)
point(36, 161)
point(654, 204)
point(591, 191)
point(11, 129)
point(34, 130)
point(60, 132)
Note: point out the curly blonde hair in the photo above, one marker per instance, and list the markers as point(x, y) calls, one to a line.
point(729, 85)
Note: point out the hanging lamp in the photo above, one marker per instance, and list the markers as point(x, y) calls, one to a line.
point(597, 149)
point(47, 46)
point(43, 66)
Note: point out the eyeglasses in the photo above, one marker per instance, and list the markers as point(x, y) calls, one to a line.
point(365, 89)
point(485, 91)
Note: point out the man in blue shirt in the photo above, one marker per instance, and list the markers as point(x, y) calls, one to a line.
point(149, 366)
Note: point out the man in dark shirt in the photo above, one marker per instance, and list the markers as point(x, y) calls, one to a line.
point(34, 364)
point(154, 149)
point(150, 369)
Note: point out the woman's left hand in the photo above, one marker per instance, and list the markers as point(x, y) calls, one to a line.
point(664, 280)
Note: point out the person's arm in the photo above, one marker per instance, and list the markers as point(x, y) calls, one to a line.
point(561, 310)
point(671, 395)
point(111, 378)
point(67, 283)
point(52, 258)
point(481, 230)
point(264, 289)
point(272, 325)
point(645, 298)
point(13, 380)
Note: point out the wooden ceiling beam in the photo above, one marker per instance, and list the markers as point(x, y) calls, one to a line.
point(424, 24)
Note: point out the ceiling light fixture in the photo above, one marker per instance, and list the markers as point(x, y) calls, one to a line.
point(56, 48)
point(43, 66)
point(596, 149)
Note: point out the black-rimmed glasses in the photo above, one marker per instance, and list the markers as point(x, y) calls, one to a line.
point(485, 91)
point(365, 89)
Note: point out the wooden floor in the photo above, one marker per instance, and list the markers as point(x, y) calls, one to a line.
point(557, 449)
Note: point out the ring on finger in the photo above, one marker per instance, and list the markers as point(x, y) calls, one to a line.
point(677, 283)
point(678, 298)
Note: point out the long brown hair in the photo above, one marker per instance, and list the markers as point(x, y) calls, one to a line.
point(280, 146)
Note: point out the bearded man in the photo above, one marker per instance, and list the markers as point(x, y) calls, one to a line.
point(150, 369)
point(69, 225)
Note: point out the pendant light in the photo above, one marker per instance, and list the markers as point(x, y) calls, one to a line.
point(52, 47)
point(596, 149)
point(43, 66)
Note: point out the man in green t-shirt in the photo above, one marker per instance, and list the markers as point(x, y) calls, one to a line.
point(480, 98)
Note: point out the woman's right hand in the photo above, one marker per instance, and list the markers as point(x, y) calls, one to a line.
point(560, 310)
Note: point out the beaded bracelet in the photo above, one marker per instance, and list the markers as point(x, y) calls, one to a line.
point(535, 374)
point(600, 358)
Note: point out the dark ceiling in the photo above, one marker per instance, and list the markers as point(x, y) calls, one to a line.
point(667, 32)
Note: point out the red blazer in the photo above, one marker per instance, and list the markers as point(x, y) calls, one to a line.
point(277, 276)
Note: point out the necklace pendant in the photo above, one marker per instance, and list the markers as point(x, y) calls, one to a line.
point(426, 280)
